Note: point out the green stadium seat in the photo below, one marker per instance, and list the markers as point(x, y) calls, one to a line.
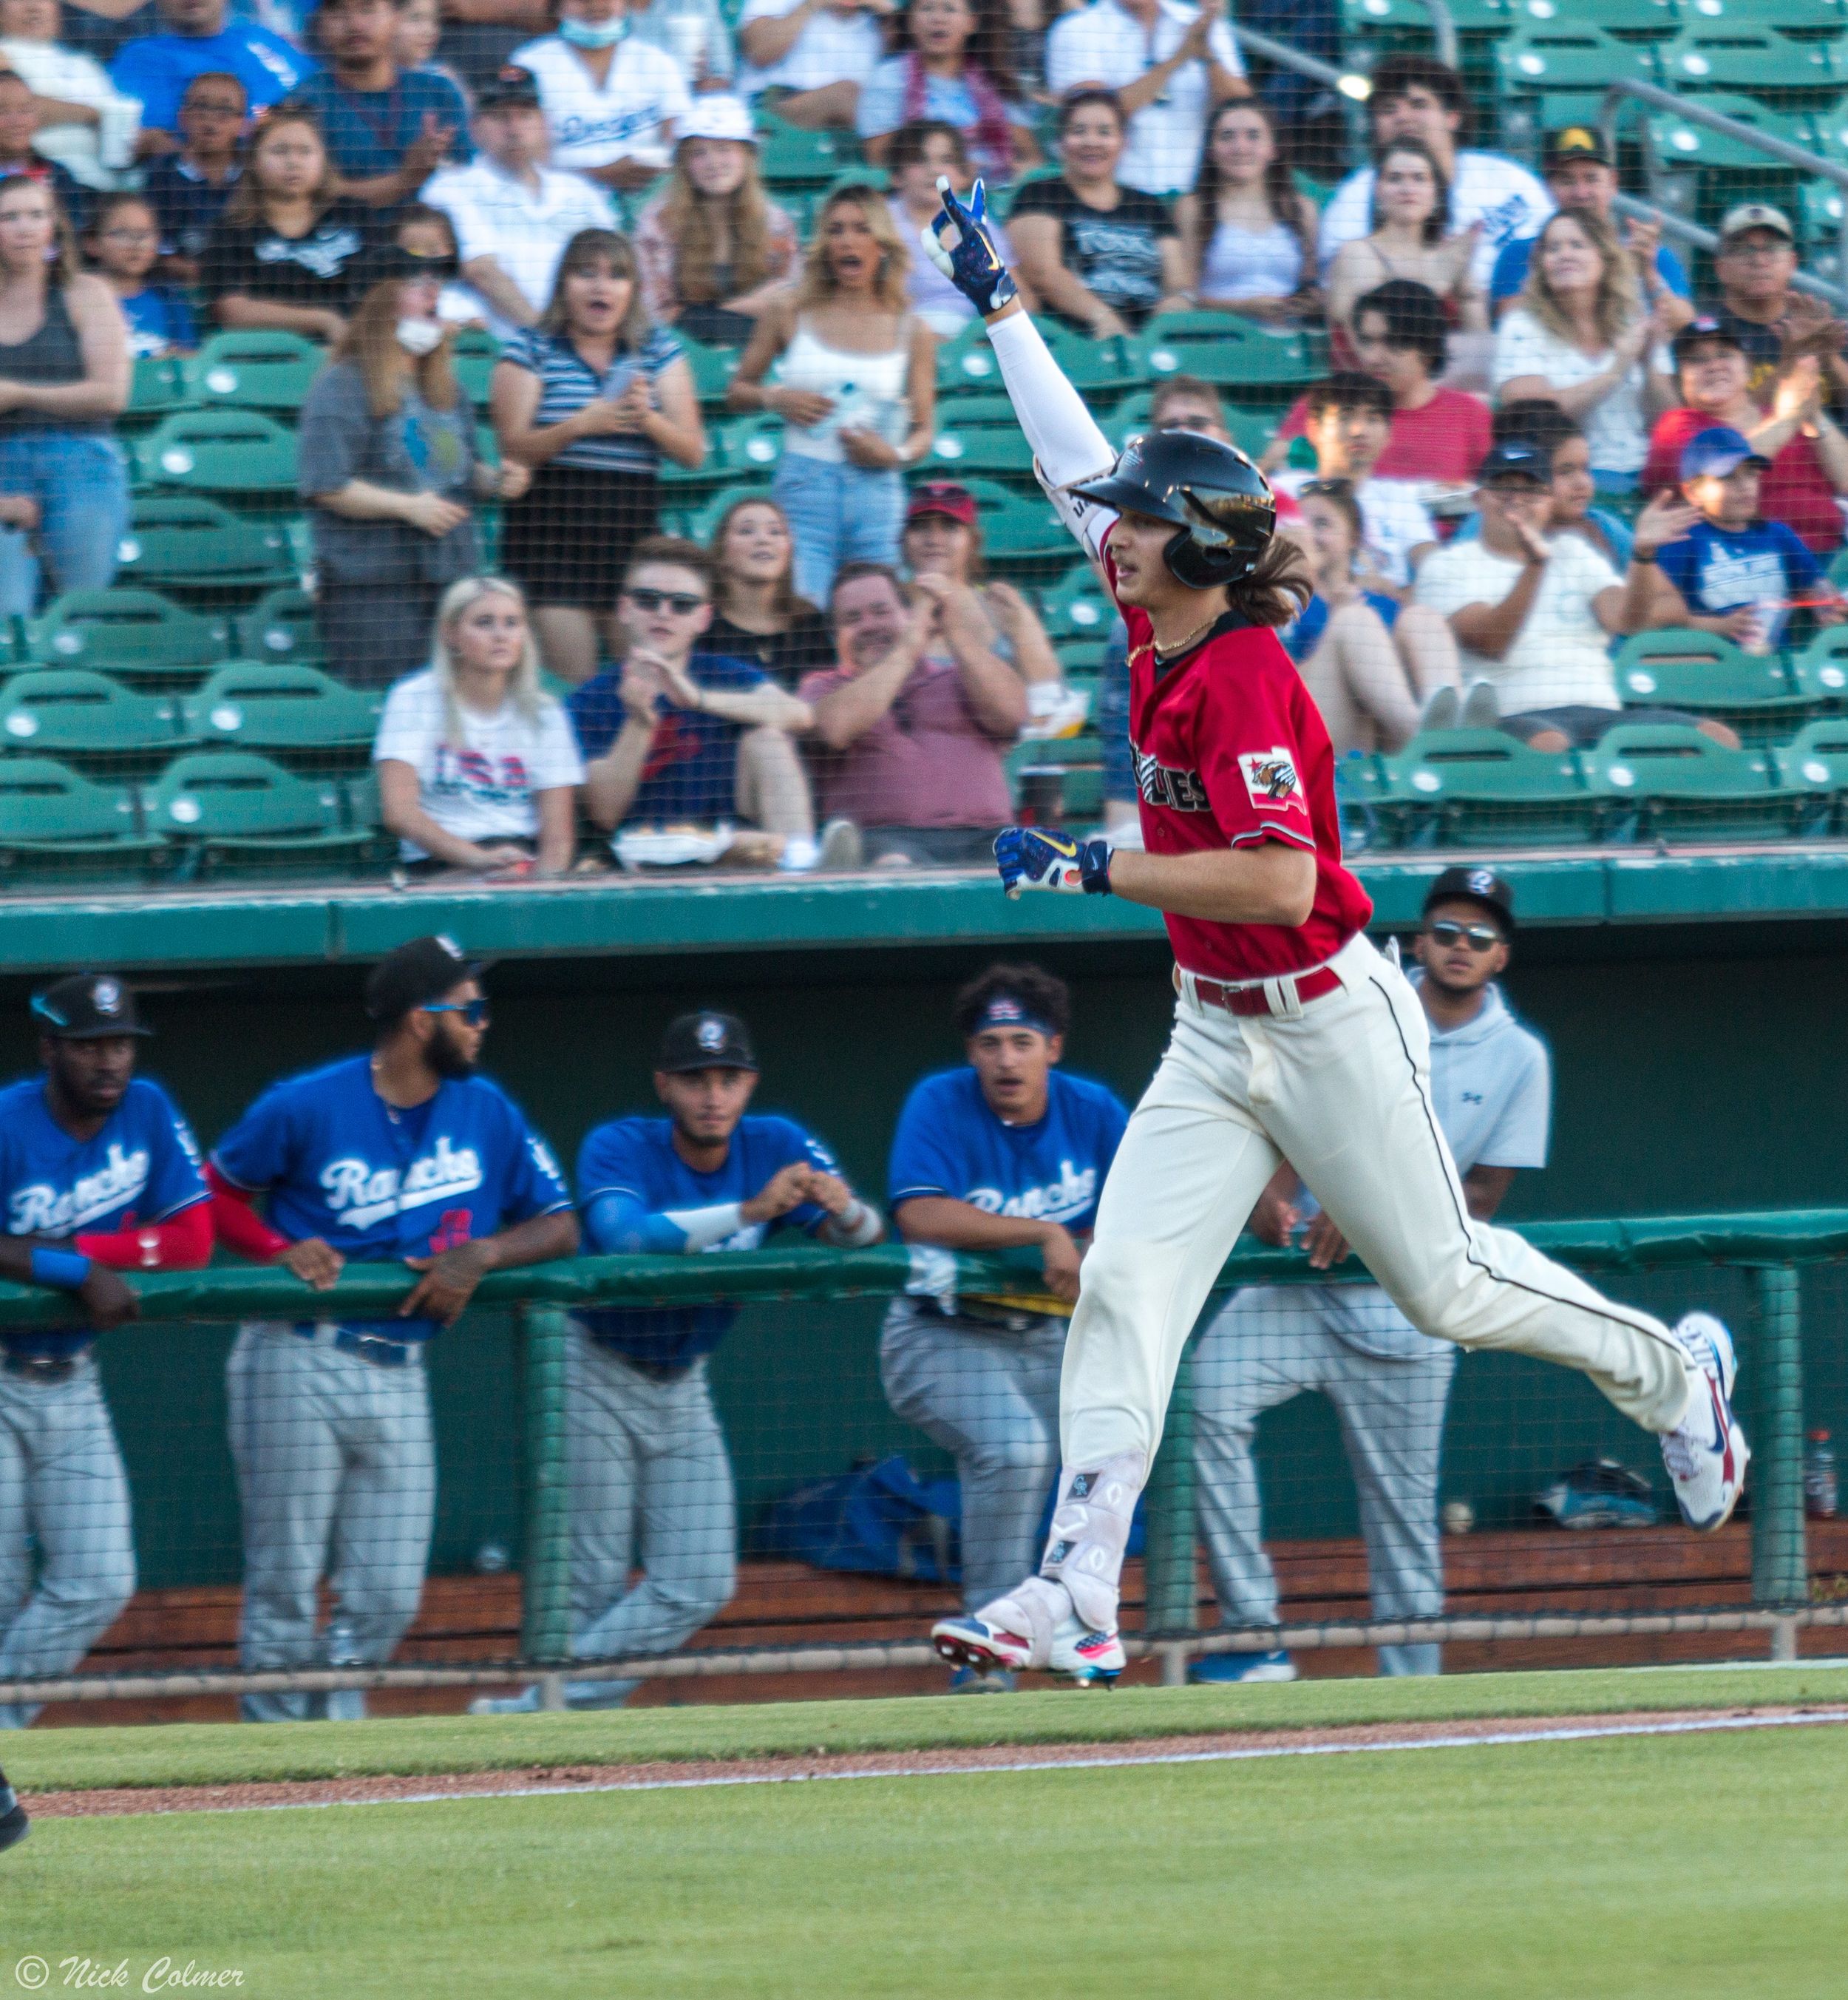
point(1624, 20)
point(1022, 536)
point(185, 541)
point(240, 452)
point(127, 631)
point(701, 522)
point(231, 807)
point(742, 447)
point(1362, 791)
point(249, 369)
point(1708, 673)
point(73, 712)
point(1754, 59)
point(1229, 353)
point(790, 156)
point(295, 714)
point(1658, 782)
point(157, 383)
point(1556, 73)
point(1680, 142)
point(1813, 769)
point(280, 627)
point(1820, 672)
point(999, 450)
point(472, 356)
point(55, 823)
point(1109, 367)
point(966, 365)
point(978, 409)
point(1478, 787)
point(1077, 606)
point(712, 368)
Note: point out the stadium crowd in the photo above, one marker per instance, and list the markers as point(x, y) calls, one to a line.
point(1532, 442)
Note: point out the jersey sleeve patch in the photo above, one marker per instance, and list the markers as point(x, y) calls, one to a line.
point(1272, 779)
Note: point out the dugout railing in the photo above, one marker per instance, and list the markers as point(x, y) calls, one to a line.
point(797, 1403)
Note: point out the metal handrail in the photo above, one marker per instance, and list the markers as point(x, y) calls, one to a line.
point(1349, 85)
point(1678, 226)
point(1697, 113)
point(1444, 31)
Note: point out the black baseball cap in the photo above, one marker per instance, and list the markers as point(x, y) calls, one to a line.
point(1474, 885)
point(393, 261)
point(707, 1040)
point(416, 974)
point(511, 84)
point(1705, 326)
point(86, 1006)
point(1514, 458)
point(1574, 142)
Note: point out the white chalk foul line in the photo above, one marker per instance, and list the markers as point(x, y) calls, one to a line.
point(1692, 1726)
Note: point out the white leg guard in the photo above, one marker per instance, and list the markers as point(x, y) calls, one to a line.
point(1091, 1534)
point(1034, 1610)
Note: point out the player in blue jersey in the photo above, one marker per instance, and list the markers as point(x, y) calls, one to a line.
point(403, 1156)
point(98, 1172)
point(649, 1477)
point(1008, 1151)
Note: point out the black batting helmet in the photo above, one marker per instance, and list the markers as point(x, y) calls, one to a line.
point(1222, 504)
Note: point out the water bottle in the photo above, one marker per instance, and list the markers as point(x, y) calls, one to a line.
point(1819, 1491)
point(344, 1704)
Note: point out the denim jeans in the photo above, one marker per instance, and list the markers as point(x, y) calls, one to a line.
point(81, 484)
point(837, 514)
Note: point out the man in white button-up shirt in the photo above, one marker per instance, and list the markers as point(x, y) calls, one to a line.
point(1169, 64)
point(513, 216)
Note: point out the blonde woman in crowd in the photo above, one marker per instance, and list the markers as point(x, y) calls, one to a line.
point(478, 768)
point(1580, 335)
point(712, 247)
point(855, 386)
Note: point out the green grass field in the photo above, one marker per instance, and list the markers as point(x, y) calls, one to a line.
point(1689, 1866)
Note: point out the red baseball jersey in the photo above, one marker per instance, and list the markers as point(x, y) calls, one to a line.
point(1229, 751)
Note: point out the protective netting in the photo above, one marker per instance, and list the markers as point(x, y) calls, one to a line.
point(843, 1470)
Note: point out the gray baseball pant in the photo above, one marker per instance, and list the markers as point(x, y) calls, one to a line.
point(649, 1479)
point(1268, 1345)
point(989, 1396)
point(329, 1447)
point(62, 1484)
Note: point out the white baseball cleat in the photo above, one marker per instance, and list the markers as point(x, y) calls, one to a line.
point(999, 1638)
point(1706, 1453)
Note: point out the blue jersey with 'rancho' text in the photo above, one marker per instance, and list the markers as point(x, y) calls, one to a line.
point(141, 1169)
point(948, 1142)
point(636, 1157)
point(379, 1183)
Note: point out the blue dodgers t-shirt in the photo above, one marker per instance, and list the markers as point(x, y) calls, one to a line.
point(1510, 271)
point(636, 1157)
point(381, 1184)
point(948, 1142)
point(691, 770)
point(1763, 566)
point(159, 321)
point(368, 131)
point(141, 1169)
point(157, 68)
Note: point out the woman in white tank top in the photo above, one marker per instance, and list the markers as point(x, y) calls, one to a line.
point(855, 385)
point(1246, 234)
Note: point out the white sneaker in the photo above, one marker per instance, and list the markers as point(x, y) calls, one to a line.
point(1443, 708)
point(1481, 706)
point(526, 1703)
point(1706, 1453)
point(841, 846)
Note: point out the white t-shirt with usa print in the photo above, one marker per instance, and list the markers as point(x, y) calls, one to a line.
point(483, 786)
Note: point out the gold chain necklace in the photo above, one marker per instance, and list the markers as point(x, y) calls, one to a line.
point(1169, 652)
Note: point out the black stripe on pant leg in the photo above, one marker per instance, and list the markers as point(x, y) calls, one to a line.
point(1612, 1312)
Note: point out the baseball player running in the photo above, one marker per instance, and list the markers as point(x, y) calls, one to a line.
point(99, 1173)
point(649, 1473)
point(405, 1156)
point(1293, 1036)
point(1491, 1087)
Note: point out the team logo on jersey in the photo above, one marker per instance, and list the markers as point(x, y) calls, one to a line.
point(43, 1210)
point(1270, 778)
point(361, 1194)
point(1058, 1201)
point(1161, 785)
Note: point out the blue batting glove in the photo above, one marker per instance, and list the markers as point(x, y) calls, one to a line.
point(1033, 857)
point(972, 264)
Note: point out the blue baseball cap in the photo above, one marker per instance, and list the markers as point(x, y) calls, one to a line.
point(1716, 451)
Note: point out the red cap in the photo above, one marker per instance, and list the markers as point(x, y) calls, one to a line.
point(1287, 508)
point(943, 496)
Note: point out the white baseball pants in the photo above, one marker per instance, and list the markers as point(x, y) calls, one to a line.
point(1342, 1089)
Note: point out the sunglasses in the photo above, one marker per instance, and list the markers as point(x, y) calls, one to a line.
point(681, 602)
point(1480, 937)
point(1327, 489)
point(474, 1012)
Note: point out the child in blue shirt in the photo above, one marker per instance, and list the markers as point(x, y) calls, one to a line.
point(124, 244)
point(1728, 571)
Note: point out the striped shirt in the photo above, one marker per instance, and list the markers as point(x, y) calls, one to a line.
point(567, 382)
